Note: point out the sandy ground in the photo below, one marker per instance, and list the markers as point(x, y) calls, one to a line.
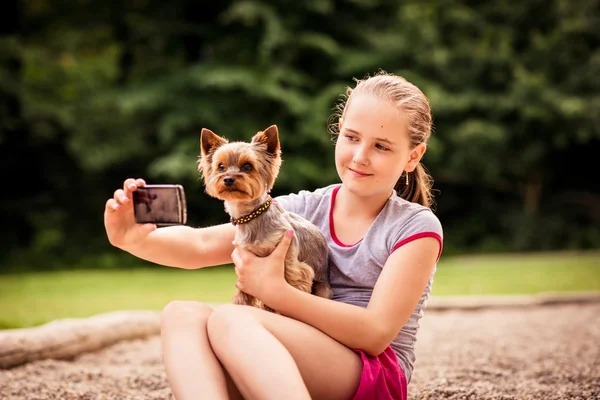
point(547, 352)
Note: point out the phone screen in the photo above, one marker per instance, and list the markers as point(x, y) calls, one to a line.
point(162, 205)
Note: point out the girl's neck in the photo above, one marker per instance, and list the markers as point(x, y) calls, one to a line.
point(347, 203)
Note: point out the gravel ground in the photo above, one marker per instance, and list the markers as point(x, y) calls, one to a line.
point(546, 352)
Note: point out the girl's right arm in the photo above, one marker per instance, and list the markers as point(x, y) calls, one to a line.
point(174, 246)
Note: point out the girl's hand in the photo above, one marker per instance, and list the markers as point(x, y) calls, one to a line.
point(119, 219)
point(262, 277)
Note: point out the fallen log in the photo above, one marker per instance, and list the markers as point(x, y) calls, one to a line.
point(68, 338)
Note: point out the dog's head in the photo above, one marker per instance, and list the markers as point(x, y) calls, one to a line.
point(239, 171)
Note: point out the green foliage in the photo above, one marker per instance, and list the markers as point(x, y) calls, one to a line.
point(98, 92)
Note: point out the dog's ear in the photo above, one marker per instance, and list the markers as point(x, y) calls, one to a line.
point(270, 137)
point(209, 142)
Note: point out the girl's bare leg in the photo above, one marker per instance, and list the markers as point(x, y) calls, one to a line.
point(270, 356)
point(193, 370)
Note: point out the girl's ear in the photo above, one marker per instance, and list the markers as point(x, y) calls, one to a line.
point(415, 156)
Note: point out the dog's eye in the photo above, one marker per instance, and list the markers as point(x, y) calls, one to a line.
point(247, 167)
point(221, 168)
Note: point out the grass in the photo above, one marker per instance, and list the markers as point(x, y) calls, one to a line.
point(518, 274)
point(30, 299)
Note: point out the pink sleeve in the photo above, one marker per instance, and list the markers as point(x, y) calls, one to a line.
point(422, 224)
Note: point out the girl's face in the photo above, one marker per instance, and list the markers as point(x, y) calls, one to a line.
point(373, 148)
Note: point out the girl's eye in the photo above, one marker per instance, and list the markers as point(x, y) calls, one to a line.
point(221, 168)
point(380, 147)
point(350, 137)
point(247, 167)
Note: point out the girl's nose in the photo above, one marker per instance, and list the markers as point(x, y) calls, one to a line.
point(361, 156)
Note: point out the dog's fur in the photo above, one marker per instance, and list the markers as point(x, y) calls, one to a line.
point(251, 170)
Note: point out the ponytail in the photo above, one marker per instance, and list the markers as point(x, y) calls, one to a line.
point(418, 190)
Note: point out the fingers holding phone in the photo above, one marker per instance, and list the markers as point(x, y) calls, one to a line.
point(131, 185)
point(119, 220)
point(123, 198)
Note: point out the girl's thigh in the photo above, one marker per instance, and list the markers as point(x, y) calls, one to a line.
point(329, 369)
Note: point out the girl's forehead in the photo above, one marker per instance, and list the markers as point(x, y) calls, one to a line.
point(371, 115)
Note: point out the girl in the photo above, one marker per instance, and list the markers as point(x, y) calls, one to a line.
point(384, 245)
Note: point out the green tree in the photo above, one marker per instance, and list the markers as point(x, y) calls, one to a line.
point(96, 92)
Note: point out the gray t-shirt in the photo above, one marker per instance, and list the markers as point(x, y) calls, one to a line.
point(354, 268)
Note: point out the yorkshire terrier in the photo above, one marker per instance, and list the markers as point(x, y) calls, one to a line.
point(242, 175)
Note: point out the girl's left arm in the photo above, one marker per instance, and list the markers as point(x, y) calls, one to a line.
point(370, 329)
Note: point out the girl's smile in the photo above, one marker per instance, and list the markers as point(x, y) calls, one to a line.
point(359, 174)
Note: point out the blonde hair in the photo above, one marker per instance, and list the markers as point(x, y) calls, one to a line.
point(415, 105)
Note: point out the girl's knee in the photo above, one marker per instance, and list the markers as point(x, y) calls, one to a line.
point(185, 313)
point(227, 318)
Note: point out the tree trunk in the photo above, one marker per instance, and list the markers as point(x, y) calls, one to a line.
point(532, 194)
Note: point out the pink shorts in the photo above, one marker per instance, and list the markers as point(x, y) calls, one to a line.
point(382, 378)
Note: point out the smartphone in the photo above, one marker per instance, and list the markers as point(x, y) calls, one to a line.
point(163, 205)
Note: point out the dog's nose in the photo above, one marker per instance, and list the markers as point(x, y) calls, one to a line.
point(228, 180)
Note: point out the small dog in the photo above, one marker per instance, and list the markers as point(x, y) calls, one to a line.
point(242, 175)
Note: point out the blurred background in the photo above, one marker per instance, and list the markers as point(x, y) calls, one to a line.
point(93, 92)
